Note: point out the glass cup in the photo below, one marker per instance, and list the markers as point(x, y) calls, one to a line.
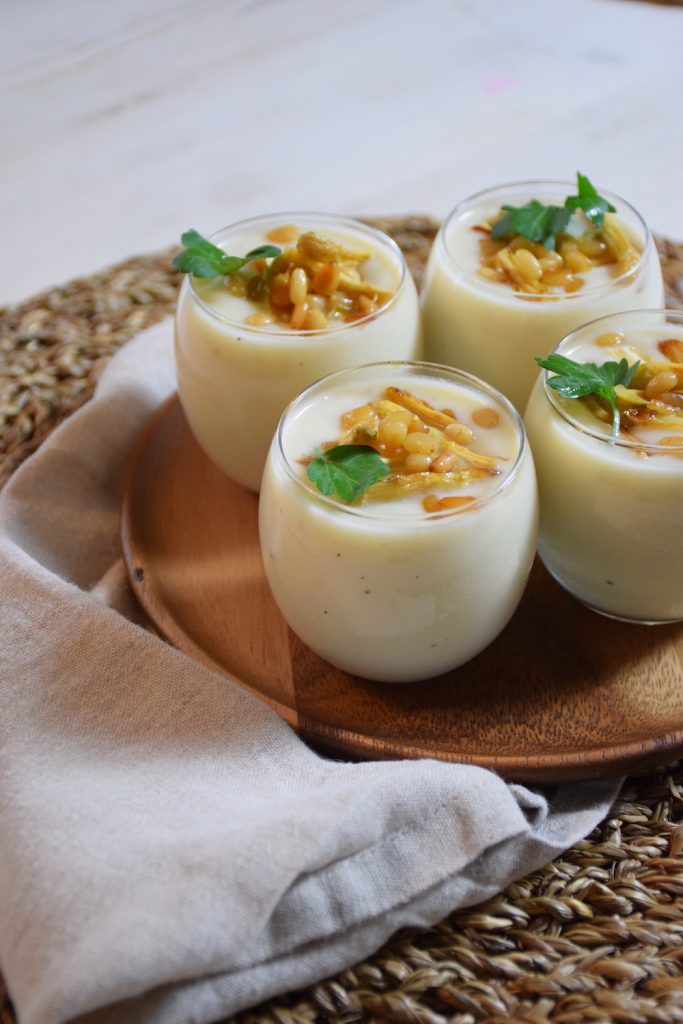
point(386, 590)
point(611, 516)
point(235, 378)
point(489, 329)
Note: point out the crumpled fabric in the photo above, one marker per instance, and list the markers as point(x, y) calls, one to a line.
point(170, 850)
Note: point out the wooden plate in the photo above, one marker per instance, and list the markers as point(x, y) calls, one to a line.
point(562, 694)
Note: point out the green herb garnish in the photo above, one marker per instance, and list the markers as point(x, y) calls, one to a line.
point(204, 259)
point(576, 380)
point(534, 221)
point(590, 201)
point(348, 469)
point(541, 223)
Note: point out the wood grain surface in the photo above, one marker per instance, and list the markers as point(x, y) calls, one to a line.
point(126, 123)
point(562, 694)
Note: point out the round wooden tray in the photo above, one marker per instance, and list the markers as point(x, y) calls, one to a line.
point(562, 694)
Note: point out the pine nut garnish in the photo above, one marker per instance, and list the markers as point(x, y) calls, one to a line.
point(456, 501)
point(459, 432)
point(287, 285)
point(298, 316)
point(259, 320)
point(511, 254)
point(417, 463)
point(664, 381)
point(418, 445)
point(312, 285)
point(444, 462)
point(285, 233)
point(486, 417)
point(433, 504)
point(298, 286)
point(647, 401)
point(672, 349)
point(609, 338)
point(316, 320)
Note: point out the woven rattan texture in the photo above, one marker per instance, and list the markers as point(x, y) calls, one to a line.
point(596, 936)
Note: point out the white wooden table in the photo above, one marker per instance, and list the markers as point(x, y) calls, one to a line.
point(124, 123)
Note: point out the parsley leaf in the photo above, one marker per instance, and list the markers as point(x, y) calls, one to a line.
point(348, 469)
point(534, 221)
point(262, 252)
point(589, 200)
point(541, 223)
point(204, 259)
point(575, 380)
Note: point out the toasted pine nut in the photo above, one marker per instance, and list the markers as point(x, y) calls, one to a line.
point(609, 338)
point(398, 416)
point(660, 383)
point(430, 503)
point(416, 462)
point(392, 431)
point(316, 320)
point(528, 265)
point(593, 247)
point(572, 284)
point(362, 414)
point(455, 501)
point(444, 463)
point(298, 286)
point(279, 290)
point(672, 348)
point(556, 277)
point(424, 444)
point(299, 315)
point(578, 262)
point(486, 417)
point(284, 233)
point(259, 320)
point(551, 261)
point(460, 433)
point(416, 426)
point(326, 279)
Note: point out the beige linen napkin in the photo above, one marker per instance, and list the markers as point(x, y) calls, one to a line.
point(170, 851)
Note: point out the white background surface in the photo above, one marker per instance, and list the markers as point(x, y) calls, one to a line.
point(124, 123)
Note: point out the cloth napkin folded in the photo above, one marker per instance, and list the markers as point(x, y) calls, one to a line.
point(170, 851)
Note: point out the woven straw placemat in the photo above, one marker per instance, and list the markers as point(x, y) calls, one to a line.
point(597, 935)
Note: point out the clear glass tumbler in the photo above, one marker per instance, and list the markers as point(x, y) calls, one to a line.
point(383, 588)
point(611, 529)
point(235, 378)
point(488, 328)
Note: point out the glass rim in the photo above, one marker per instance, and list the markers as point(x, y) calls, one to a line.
point(671, 315)
point(410, 519)
point(589, 290)
point(289, 217)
